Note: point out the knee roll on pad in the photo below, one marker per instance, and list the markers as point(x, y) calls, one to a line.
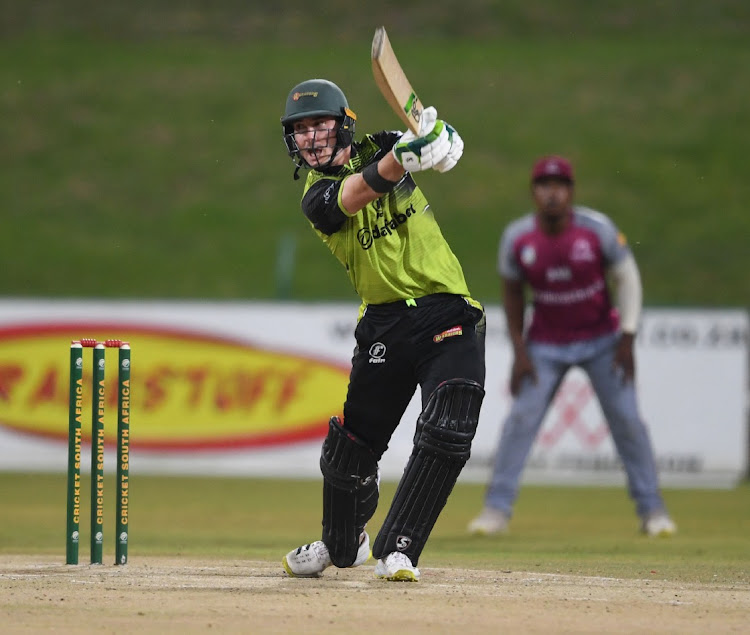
point(442, 445)
point(350, 491)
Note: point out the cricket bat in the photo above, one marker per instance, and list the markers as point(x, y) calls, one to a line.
point(393, 83)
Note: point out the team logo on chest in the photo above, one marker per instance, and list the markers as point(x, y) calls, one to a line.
point(581, 251)
point(528, 255)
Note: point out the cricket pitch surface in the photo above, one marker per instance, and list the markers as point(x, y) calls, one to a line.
point(187, 595)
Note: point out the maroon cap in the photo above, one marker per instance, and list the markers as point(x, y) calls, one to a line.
point(552, 167)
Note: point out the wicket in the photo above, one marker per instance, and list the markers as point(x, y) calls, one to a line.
point(75, 415)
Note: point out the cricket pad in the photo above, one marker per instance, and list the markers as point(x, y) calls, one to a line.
point(350, 491)
point(442, 445)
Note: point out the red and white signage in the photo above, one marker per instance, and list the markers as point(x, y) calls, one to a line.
point(247, 389)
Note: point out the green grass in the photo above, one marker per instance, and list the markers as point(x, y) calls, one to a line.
point(142, 154)
point(577, 531)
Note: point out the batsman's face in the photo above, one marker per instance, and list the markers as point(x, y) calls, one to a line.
point(553, 197)
point(316, 139)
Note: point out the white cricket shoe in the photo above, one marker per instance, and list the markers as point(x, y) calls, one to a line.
point(309, 561)
point(396, 566)
point(490, 521)
point(658, 524)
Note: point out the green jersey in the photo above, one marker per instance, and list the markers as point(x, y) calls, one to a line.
point(393, 248)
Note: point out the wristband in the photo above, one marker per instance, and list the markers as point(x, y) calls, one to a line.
point(376, 182)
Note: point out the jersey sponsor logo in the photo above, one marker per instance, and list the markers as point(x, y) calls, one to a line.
point(559, 274)
point(367, 236)
point(377, 353)
point(570, 297)
point(451, 332)
point(581, 251)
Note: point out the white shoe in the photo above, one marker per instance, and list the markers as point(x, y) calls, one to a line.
point(309, 561)
point(396, 566)
point(658, 524)
point(490, 521)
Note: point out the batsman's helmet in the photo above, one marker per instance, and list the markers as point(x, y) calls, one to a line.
point(317, 98)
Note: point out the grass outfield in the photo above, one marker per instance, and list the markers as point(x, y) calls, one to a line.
point(142, 151)
point(572, 531)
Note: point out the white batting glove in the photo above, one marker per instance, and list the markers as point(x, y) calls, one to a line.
point(455, 152)
point(423, 151)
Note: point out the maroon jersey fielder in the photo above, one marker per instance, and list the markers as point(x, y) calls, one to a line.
point(564, 254)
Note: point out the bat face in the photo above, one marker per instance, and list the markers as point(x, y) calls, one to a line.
point(393, 83)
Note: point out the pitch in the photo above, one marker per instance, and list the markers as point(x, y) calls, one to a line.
point(158, 595)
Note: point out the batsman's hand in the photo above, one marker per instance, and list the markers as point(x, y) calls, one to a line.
point(425, 150)
point(454, 153)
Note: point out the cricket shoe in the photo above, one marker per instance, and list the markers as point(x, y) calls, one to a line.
point(309, 561)
point(490, 521)
point(397, 567)
point(658, 524)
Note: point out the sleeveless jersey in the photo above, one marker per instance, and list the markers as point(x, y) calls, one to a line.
point(566, 273)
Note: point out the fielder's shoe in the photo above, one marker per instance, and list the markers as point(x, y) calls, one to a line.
point(396, 566)
point(490, 521)
point(309, 561)
point(658, 524)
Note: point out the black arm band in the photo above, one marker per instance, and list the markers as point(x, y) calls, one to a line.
point(376, 182)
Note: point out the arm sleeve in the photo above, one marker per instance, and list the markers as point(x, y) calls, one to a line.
point(320, 205)
point(386, 139)
point(629, 293)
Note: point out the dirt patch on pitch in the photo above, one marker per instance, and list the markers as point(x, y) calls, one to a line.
point(157, 595)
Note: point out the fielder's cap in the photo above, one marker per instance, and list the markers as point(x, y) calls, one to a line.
point(552, 167)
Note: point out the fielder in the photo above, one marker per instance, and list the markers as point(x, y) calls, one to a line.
point(563, 254)
point(417, 326)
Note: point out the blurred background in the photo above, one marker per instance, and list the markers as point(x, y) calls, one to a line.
point(145, 193)
point(141, 152)
point(141, 159)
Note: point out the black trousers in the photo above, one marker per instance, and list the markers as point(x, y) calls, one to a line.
point(400, 347)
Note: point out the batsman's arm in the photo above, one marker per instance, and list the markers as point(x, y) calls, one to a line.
point(413, 152)
point(375, 180)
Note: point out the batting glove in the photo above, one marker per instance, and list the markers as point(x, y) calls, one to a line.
point(455, 152)
point(426, 150)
